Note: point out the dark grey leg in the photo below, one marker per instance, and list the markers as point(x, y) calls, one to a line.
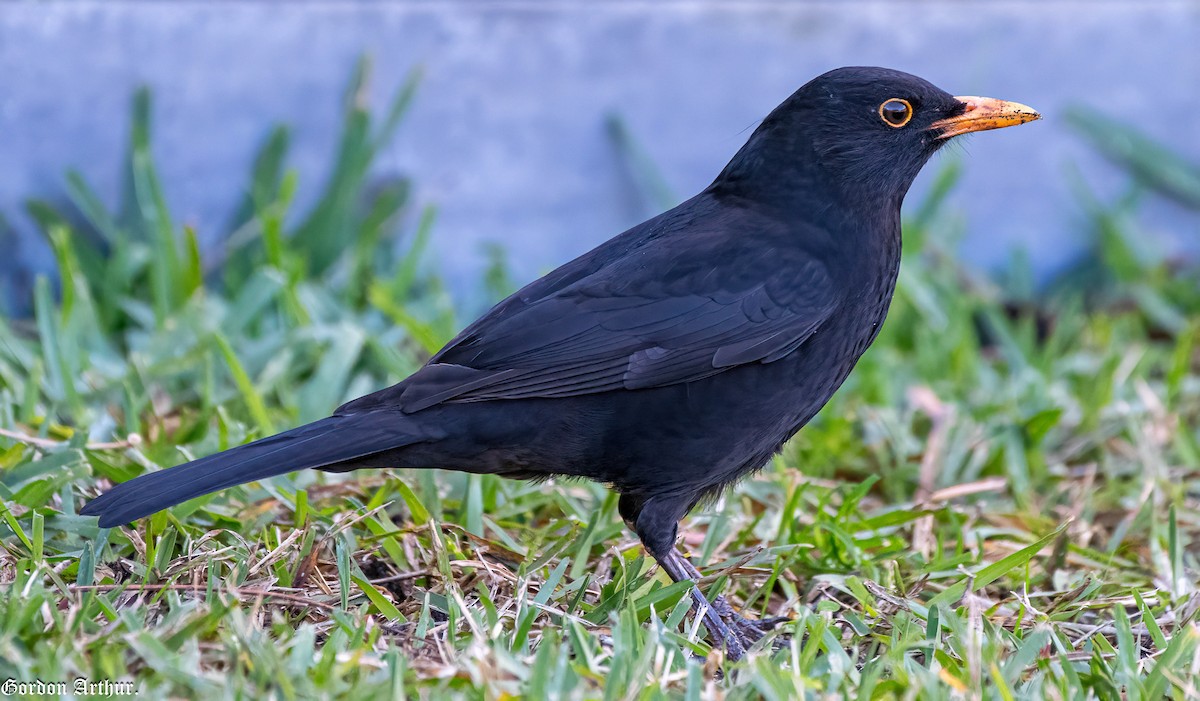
point(655, 521)
point(679, 569)
point(748, 630)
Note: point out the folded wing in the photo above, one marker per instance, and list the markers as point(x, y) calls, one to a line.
point(639, 323)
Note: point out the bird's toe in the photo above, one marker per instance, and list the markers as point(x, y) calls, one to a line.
point(748, 630)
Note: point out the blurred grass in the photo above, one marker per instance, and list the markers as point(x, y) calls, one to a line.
point(1001, 503)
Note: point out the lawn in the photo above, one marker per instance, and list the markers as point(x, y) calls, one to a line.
point(1001, 502)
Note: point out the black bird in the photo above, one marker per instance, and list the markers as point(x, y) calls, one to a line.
point(673, 359)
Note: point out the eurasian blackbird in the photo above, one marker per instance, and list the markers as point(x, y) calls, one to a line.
point(672, 359)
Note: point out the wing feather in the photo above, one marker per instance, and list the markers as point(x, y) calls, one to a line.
point(708, 308)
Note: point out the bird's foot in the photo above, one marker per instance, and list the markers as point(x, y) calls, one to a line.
point(748, 630)
point(728, 629)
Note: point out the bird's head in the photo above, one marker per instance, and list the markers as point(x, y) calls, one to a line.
point(864, 131)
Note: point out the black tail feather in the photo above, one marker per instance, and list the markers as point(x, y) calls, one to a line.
point(313, 445)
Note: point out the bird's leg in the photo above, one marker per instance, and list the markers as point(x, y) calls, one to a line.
point(679, 569)
point(748, 630)
point(655, 521)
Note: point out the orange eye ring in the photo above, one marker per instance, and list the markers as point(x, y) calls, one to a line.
point(896, 112)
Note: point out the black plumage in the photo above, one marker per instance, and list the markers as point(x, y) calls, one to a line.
point(673, 359)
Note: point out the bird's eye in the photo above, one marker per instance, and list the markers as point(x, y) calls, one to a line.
point(896, 112)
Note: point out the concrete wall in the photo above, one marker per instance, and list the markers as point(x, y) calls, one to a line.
point(507, 134)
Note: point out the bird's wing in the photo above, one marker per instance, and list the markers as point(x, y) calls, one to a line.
point(655, 318)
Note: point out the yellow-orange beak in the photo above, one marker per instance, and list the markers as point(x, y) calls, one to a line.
point(984, 113)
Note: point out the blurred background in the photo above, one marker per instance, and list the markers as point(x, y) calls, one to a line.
point(537, 130)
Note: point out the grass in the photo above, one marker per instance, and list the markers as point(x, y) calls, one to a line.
point(1000, 503)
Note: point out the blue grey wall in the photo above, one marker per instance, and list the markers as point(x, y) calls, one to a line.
point(507, 134)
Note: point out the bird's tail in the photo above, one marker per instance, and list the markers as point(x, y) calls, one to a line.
point(321, 444)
